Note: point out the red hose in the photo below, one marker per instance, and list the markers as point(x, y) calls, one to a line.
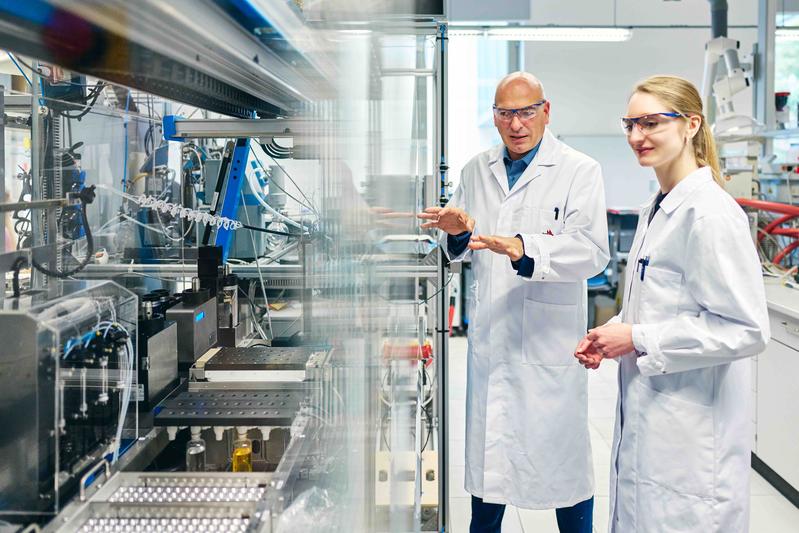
point(774, 207)
point(787, 232)
point(784, 252)
point(774, 224)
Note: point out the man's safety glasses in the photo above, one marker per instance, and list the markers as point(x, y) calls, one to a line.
point(524, 113)
point(648, 123)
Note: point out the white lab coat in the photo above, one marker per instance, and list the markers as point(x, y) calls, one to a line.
point(682, 441)
point(527, 438)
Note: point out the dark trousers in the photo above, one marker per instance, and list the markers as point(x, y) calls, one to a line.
point(487, 517)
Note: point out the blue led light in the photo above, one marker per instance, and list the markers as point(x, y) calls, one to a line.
point(199, 316)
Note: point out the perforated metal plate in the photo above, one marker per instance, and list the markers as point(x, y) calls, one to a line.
point(147, 525)
point(276, 407)
point(189, 494)
point(259, 358)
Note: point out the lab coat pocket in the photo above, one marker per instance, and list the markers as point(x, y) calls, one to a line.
point(549, 333)
point(550, 221)
point(659, 294)
point(473, 299)
point(675, 443)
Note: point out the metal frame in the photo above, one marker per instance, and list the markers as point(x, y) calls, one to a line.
point(233, 186)
point(764, 66)
point(179, 129)
point(170, 52)
point(442, 300)
point(2, 163)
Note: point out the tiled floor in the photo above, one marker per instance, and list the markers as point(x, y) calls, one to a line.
point(770, 511)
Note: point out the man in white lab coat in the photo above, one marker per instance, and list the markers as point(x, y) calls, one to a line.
point(542, 204)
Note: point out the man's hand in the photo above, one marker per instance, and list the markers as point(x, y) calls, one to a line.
point(612, 340)
point(450, 220)
point(513, 247)
point(587, 354)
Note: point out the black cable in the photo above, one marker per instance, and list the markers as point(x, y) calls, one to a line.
point(22, 224)
point(272, 232)
point(277, 152)
point(271, 182)
point(86, 197)
point(429, 427)
point(253, 305)
point(149, 140)
point(91, 99)
point(16, 267)
point(438, 291)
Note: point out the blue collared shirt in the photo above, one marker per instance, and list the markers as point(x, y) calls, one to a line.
point(515, 169)
point(456, 244)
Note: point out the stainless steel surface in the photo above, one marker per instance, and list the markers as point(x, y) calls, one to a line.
point(189, 525)
point(441, 320)
point(169, 494)
point(142, 453)
point(191, 502)
point(414, 72)
point(196, 328)
point(274, 274)
point(18, 102)
point(105, 465)
point(38, 230)
point(236, 128)
point(162, 364)
point(765, 56)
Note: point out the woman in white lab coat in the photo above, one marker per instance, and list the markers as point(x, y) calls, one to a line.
point(694, 310)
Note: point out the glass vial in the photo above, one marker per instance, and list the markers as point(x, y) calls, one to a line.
point(242, 454)
point(195, 452)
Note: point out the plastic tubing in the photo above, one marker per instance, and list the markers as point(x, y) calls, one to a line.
point(257, 193)
point(786, 232)
point(784, 252)
point(774, 207)
point(771, 226)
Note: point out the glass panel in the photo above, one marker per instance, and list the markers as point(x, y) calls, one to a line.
point(72, 369)
point(318, 230)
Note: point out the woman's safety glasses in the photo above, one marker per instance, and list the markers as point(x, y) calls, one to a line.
point(648, 123)
point(524, 113)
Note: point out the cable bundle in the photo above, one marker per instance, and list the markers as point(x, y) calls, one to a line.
point(177, 210)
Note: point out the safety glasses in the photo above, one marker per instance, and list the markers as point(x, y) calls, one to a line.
point(648, 124)
point(524, 113)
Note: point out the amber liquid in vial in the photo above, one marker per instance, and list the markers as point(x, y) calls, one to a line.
point(242, 457)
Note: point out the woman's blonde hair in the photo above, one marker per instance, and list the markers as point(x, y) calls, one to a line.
point(682, 97)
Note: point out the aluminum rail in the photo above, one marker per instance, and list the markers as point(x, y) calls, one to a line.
point(235, 128)
point(35, 204)
point(171, 270)
point(190, 51)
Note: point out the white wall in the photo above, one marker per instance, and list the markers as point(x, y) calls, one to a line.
point(589, 83)
point(636, 12)
point(627, 184)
